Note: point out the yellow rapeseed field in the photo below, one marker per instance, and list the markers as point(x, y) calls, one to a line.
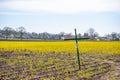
point(32, 60)
point(61, 47)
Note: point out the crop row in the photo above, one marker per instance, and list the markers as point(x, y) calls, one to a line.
point(50, 66)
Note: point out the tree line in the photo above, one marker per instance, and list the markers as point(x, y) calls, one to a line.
point(21, 33)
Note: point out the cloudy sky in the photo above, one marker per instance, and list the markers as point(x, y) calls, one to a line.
point(56, 16)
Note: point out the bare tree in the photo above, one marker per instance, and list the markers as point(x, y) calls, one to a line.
point(119, 36)
point(96, 34)
point(62, 34)
point(35, 35)
point(7, 31)
point(91, 32)
point(114, 35)
point(21, 31)
point(1, 31)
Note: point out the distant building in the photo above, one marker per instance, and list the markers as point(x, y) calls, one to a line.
point(67, 37)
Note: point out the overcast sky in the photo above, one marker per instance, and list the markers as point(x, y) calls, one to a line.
point(56, 16)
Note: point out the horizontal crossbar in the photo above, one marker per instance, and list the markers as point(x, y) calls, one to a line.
point(77, 39)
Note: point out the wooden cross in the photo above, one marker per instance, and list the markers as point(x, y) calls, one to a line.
point(77, 49)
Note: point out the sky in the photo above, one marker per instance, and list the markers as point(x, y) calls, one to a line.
point(55, 16)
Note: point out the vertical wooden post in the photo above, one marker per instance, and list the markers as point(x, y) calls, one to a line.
point(78, 56)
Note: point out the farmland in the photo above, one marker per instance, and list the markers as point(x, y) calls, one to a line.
point(58, 60)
